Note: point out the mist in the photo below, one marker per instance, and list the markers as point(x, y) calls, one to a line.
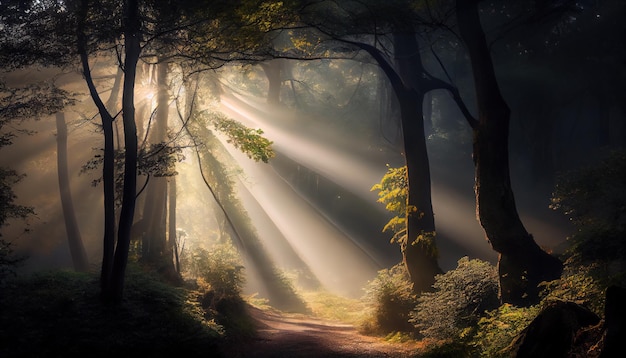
point(312, 204)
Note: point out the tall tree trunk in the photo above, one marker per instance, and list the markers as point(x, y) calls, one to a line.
point(77, 250)
point(522, 264)
point(132, 50)
point(156, 193)
point(108, 170)
point(157, 251)
point(419, 251)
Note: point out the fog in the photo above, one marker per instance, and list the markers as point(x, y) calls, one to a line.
point(311, 205)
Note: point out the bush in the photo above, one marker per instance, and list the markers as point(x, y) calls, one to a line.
point(60, 314)
point(594, 199)
point(391, 294)
point(577, 284)
point(498, 329)
point(220, 268)
point(460, 299)
point(8, 261)
point(219, 275)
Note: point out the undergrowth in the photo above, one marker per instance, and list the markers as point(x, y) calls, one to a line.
point(60, 313)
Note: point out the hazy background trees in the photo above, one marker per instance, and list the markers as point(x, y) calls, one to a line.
point(350, 69)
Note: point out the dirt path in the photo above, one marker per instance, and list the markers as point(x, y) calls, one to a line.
point(284, 336)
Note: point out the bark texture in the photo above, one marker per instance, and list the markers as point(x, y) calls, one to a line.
point(522, 264)
point(420, 255)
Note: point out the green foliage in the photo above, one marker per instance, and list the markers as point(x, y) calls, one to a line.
point(159, 160)
point(219, 279)
point(499, 327)
point(249, 141)
point(264, 16)
point(220, 267)
point(460, 298)
point(595, 200)
point(60, 314)
point(426, 239)
point(497, 330)
point(8, 261)
point(447, 349)
point(578, 284)
point(391, 295)
point(393, 191)
point(17, 105)
point(8, 208)
point(331, 307)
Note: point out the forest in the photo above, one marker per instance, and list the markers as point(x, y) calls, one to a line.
point(312, 178)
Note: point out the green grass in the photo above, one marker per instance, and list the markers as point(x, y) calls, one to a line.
point(328, 306)
point(59, 314)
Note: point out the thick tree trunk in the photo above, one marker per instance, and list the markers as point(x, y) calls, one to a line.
point(77, 250)
point(272, 71)
point(132, 52)
point(522, 263)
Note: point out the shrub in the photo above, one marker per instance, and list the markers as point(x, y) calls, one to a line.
point(391, 294)
point(577, 284)
point(499, 327)
point(8, 261)
point(594, 198)
point(460, 298)
point(220, 267)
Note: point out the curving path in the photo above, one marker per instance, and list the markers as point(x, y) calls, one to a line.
point(289, 336)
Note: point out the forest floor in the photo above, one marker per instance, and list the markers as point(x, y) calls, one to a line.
point(60, 314)
point(289, 335)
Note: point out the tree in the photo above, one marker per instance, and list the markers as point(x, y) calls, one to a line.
point(16, 105)
point(74, 239)
point(132, 49)
point(154, 243)
point(522, 264)
point(399, 23)
point(108, 169)
point(273, 71)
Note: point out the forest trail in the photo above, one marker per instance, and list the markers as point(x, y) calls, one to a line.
point(283, 335)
